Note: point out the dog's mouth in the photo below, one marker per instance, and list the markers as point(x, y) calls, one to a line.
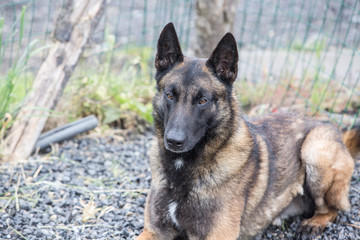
point(175, 148)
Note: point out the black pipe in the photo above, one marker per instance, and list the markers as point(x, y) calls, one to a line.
point(65, 132)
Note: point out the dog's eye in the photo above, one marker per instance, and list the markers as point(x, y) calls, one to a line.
point(203, 101)
point(170, 96)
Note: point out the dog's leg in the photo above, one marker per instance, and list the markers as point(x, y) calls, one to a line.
point(146, 235)
point(156, 225)
point(314, 226)
point(328, 172)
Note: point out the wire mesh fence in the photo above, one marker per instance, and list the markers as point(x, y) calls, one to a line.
point(295, 55)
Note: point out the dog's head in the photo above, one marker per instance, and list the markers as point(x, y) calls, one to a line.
point(194, 95)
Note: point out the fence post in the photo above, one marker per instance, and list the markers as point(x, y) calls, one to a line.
point(73, 28)
point(214, 18)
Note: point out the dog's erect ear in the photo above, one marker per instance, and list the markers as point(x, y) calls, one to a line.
point(223, 60)
point(168, 48)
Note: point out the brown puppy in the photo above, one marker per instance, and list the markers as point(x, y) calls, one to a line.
point(216, 175)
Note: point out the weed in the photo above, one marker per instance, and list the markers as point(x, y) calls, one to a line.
point(117, 170)
point(113, 94)
point(250, 94)
point(89, 209)
point(16, 82)
point(117, 91)
point(284, 225)
point(7, 82)
point(317, 46)
point(17, 232)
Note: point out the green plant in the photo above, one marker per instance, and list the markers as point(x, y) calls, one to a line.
point(250, 94)
point(284, 225)
point(317, 46)
point(9, 81)
point(119, 88)
point(16, 82)
point(15, 85)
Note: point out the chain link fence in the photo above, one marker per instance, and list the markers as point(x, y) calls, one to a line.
point(295, 55)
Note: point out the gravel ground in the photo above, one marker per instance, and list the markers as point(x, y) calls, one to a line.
point(95, 188)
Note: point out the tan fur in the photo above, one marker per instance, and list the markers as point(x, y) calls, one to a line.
point(351, 138)
point(319, 221)
point(146, 235)
point(334, 166)
point(256, 195)
point(329, 168)
point(228, 218)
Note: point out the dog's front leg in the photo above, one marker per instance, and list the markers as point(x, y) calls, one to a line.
point(147, 235)
point(160, 234)
point(164, 233)
point(226, 224)
point(157, 225)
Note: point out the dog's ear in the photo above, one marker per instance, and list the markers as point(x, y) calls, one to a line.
point(223, 61)
point(168, 49)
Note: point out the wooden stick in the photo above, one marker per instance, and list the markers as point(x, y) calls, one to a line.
point(72, 31)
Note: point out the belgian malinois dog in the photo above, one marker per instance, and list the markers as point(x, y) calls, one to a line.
point(216, 175)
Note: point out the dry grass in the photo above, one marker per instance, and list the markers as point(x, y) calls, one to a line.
point(88, 209)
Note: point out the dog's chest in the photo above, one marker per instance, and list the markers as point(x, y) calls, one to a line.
point(190, 214)
point(189, 218)
point(183, 205)
point(172, 213)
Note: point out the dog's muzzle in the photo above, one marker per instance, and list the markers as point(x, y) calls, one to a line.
point(175, 141)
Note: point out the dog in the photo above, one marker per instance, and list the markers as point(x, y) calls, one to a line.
point(217, 175)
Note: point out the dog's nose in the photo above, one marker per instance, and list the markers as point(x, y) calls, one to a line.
point(175, 140)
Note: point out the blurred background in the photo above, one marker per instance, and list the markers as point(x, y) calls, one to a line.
point(295, 55)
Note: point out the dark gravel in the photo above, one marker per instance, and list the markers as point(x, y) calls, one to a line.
point(107, 178)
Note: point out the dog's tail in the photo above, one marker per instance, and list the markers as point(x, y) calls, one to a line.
point(351, 138)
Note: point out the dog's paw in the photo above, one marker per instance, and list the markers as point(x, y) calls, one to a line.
point(146, 235)
point(306, 232)
point(309, 229)
point(313, 227)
